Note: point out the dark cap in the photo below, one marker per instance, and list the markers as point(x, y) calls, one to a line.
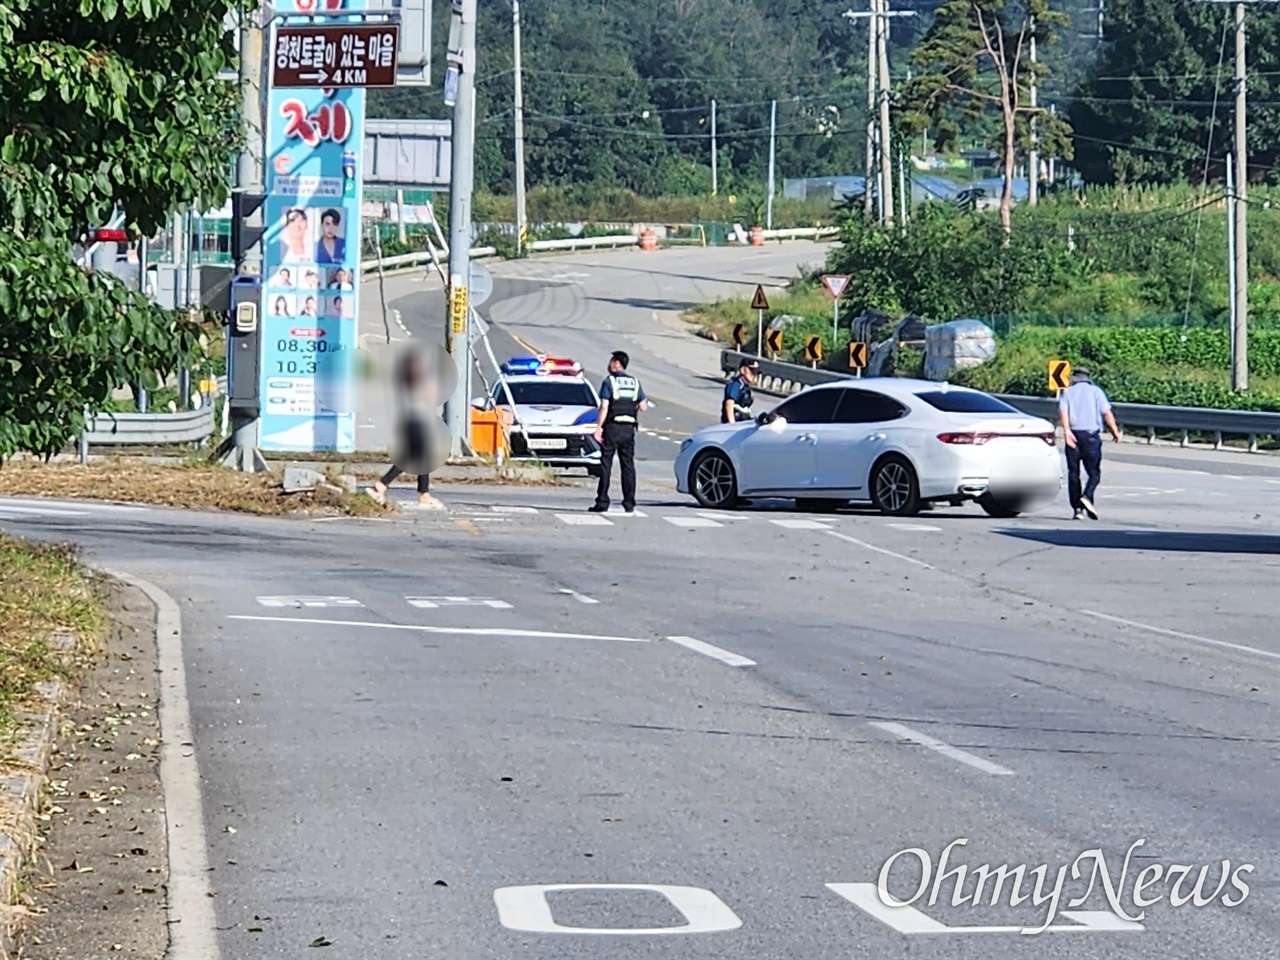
point(1080, 373)
point(750, 363)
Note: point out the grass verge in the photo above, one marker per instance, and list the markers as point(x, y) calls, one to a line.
point(44, 591)
point(207, 487)
point(716, 320)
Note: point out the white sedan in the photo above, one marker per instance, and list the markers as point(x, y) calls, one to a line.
point(896, 443)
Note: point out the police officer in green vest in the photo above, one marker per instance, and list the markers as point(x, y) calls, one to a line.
point(621, 400)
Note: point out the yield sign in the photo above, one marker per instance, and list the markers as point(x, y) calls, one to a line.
point(835, 284)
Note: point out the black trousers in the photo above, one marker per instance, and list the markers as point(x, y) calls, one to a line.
point(1087, 453)
point(424, 480)
point(619, 438)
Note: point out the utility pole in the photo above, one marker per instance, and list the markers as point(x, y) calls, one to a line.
point(462, 66)
point(773, 156)
point(250, 180)
point(1231, 249)
point(872, 86)
point(886, 142)
point(1240, 351)
point(1033, 158)
point(522, 216)
point(715, 179)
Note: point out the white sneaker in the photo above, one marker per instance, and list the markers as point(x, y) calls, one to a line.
point(1078, 515)
point(1089, 508)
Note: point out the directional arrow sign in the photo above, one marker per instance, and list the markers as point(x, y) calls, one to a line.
point(774, 340)
point(1059, 374)
point(336, 56)
point(813, 348)
point(835, 284)
point(857, 355)
point(739, 334)
point(759, 301)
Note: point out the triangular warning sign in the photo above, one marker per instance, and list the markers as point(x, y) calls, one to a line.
point(759, 301)
point(835, 284)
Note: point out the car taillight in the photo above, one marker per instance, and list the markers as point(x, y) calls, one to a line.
point(969, 438)
point(1049, 438)
point(107, 235)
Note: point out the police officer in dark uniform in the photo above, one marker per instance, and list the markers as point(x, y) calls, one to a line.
point(737, 393)
point(621, 400)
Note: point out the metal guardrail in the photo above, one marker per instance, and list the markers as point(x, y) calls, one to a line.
point(800, 233)
point(143, 429)
point(782, 379)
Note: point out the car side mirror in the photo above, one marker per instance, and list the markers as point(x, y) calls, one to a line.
point(766, 418)
point(481, 403)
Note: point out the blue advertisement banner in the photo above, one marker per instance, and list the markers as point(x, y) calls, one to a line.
point(311, 247)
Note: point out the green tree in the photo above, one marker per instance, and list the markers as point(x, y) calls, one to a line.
point(106, 103)
point(975, 59)
point(1146, 111)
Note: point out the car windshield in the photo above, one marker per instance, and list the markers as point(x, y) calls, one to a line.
point(965, 401)
point(552, 392)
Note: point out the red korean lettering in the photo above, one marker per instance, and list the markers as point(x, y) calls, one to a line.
point(297, 124)
point(341, 123)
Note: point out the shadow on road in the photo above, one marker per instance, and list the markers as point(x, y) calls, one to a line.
point(1168, 542)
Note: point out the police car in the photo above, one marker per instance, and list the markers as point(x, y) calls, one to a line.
point(554, 411)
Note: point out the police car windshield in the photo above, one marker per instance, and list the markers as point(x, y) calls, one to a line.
point(559, 392)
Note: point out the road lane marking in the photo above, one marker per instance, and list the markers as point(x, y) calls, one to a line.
point(801, 524)
point(889, 553)
point(299, 602)
point(721, 515)
point(192, 924)
point(955, 753)
point(432, 603)
point(905, 918)
point(693, 522)
point(461, 631)
point(24, 511)
point(580, 597)
point(1182, 636)
point(618, 512)
point(585, 519)
point(921, 527)
point(527, 909)
point(499, 509)
point(711, 650)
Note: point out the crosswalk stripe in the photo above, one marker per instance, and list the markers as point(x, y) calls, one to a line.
point(692, 522)
point(585, 519)
point(801, 524)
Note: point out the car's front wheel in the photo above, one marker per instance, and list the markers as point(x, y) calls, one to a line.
point(713, 481)
point(894, 487)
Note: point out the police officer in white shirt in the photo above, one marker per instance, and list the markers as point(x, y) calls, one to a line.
point(1083, 408)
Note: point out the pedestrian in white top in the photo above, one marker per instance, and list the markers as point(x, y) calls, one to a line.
point(1083, 408)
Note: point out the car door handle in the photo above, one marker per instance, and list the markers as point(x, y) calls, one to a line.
point(807, 436)
point(876, 436)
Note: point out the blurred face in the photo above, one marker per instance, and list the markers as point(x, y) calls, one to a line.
point(296, 226)
point(615, 366)
point(749, 374)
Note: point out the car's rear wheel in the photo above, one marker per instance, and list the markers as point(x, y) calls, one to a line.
point(994, 508)
point(713, 481)
point(894, 488)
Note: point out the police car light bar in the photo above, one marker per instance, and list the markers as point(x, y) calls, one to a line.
point(541, 365)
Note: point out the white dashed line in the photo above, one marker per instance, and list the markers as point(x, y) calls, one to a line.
point(888, 553)
point(716, 653)
point(585, 519)
point(497, 509)
point(614, 512)
point(955, 753)
point(801, 524)
point(693, 522)
point(460, 631)
point(299, 602)
point(923, 528)
point(1181, 636)
point(721, 515)
point(580, 597)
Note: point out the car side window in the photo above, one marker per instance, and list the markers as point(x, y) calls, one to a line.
point(815, 406)
point(867, 406)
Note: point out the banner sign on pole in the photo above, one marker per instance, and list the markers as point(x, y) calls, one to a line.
point(311, 294)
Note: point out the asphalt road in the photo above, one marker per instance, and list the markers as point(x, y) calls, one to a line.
point(402, 720)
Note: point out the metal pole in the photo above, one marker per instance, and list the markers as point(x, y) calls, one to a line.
point(835, 321)
point(522, 215)
point(249, 177)
point(715, 178)
point(141, 395)
point(886, 145)
point(1240, 349)
point(402, 232)
point(1231, 248)
point(759, 333)
point(460, 189)
point(1033, 157)
point(773, 158)
point(902, 190)
point(871, 103)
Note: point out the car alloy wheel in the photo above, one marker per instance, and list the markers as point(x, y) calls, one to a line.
point(894, 488)
point(714, 484)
